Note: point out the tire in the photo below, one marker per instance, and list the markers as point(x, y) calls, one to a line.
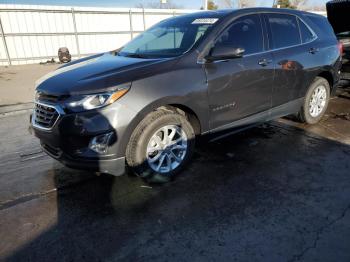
point(314, 109)
point(150, 134)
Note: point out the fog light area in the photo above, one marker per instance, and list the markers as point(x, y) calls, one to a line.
point(99, 144)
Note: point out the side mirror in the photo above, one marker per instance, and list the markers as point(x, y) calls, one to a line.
point(220, 52)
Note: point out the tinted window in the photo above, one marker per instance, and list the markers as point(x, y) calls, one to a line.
point(323, 24)
point(306, 34)
point(244, 32)
point(284, 29)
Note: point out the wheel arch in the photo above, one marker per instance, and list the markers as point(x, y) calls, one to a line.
point(171, 103)
point(190, 114)
point(328, 76)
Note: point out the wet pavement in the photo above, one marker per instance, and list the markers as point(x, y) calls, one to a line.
point(277, 192)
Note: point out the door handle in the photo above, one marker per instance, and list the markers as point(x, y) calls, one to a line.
point(313, 50)
point(264, 62)
point(220, 61)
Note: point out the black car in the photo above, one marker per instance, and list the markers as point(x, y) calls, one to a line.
point(338, 12)
point(201, 73)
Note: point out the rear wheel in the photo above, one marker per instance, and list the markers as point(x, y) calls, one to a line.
point(315, 102)
point(160, 145)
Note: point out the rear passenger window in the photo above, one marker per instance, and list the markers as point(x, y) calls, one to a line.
point(244, 32)
point(323, 24)
point(284, 29)
point(306, 34)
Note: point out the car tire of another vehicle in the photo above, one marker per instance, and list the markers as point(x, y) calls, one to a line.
point(161, 145)
point(315, 102)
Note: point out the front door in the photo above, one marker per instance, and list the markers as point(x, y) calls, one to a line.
point(240, 87)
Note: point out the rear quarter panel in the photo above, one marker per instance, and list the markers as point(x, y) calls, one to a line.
point(328, 58)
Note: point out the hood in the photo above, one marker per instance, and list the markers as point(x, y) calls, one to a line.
point(99, 73)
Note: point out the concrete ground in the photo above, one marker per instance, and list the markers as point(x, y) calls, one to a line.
point(278, 192)
point(17, 83)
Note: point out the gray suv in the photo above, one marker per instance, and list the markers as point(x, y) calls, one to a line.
point(143, 105)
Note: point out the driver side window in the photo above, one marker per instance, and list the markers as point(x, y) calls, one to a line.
point(245, 32)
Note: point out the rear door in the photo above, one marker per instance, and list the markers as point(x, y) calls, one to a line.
point(240, 87)
point(293, 56)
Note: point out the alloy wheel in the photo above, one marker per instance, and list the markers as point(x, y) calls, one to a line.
point(317, 101)
point(166, 149)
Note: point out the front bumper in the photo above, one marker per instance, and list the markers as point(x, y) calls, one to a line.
point(68, 139)
point(113, 166)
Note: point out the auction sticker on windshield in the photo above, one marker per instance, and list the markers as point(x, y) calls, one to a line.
point(205, 21)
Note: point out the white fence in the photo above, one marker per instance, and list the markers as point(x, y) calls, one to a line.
point(31, 34)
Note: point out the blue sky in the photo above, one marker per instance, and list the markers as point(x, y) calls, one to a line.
point(193, 4)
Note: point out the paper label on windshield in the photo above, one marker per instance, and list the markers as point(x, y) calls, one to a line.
point(205, 21)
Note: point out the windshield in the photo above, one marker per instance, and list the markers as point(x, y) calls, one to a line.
point(169, 38)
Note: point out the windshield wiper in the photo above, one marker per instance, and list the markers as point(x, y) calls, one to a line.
point(135, 55)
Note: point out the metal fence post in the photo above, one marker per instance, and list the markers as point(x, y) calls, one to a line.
point(144, 19)
point(131, 30)
point(75, 32)
point(5, 44)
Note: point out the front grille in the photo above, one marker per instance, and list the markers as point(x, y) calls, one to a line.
point(45, 116)
point(40, 96)
point(53, 151)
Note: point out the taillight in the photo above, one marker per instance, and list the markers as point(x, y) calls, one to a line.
point(341, 48)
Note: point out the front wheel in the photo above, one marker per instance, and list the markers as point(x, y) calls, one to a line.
point(160, 145)
point(315, 102)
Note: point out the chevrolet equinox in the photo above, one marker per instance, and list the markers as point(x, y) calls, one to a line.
point(142, 106)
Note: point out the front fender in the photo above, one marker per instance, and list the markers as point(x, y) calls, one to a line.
point(185, 84)
point(154, 105)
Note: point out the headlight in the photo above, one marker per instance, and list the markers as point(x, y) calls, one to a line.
point(97, 100)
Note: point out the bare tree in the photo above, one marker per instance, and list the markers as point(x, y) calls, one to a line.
point(299, 4)
point(227, 3)
point(211, 5)
point(246, 3)
point(319, 8)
